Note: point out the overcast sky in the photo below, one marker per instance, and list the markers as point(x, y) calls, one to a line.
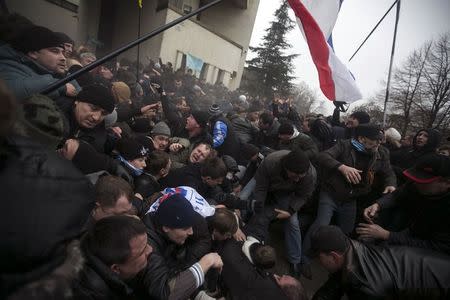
point(419, 22)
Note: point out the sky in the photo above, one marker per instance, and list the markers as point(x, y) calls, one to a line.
point(419, 22)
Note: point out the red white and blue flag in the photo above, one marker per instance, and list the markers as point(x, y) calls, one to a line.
point(316, 19)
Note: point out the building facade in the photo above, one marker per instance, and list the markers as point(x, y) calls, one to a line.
point(214, 44)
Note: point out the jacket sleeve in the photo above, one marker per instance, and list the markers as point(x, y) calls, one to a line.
point(386, 171)
point(405, 238)
point(262, 182)
point(24, 87)
point(170, 111)
point(393, 199)
point(160, 283)
point(88, 160)
point(304, 191)
point(329, 158)
point(126, 112)
point(184, 142)
point(200, 242)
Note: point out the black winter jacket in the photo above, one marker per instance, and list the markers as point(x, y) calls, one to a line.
point(167, 275)
point(242, 279)
point(97, 282)
point(244, 129)
point(374, 166)
point(271, 178)
point(429, 222)
point(46, 202)
point(389, 273)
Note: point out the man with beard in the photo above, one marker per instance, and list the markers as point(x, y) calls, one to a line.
point(34, 60)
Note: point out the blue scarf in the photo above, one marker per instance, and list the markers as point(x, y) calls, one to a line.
point(358, 146)
point(135, 171)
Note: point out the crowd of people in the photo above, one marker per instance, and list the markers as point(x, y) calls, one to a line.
point(143, 182)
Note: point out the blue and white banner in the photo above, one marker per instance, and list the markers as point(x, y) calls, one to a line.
point(194, 63)
point(200, 205)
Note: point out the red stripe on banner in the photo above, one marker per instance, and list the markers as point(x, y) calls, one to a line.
point(317, 46)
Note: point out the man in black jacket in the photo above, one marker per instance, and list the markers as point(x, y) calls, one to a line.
point(116, 250)
point(426, 202)
point(285, 181)
point(350, 169)
point(88, 142)
point(205, 178)
point(181, 257)
point(363, 272)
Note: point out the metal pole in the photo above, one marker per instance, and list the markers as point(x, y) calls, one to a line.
point(139, 45)
point(124, 48)
point(382, 18)
point(397, 15)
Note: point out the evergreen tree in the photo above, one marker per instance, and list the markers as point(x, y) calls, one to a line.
point(273, 66)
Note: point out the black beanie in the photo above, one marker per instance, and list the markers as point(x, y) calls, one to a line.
point(201, 117)
point(98, 95)
point(286, 128)
point(296, 161)
point(37, 38)
point(130, 149)
point(361, 116)
point(65, 38)
point(370, 131)
point(176, 212)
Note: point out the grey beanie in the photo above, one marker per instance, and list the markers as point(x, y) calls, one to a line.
point(160, 128)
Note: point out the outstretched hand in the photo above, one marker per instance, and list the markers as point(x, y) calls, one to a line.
point(367, 231)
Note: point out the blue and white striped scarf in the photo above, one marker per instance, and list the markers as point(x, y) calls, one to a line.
point(136, 172)
point(358, 146)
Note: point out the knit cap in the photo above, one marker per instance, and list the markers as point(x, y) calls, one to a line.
point(37, 38)
point(161, 128)
point(176, 212)
point(131, 149)
point(97, 95)
point(200, 117)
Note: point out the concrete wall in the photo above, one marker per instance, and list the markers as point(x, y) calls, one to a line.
point(235, 24)
point(189, 37)
point(126, 16)
point(39, 12)
point(88, 20)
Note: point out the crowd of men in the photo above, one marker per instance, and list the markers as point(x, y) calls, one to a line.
point(144, 182)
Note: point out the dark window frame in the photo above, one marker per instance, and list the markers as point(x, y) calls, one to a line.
point(65, 4)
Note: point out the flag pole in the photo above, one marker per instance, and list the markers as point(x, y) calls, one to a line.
point(139, 45)
point(124, 48)
point(397, 16)
point(368, 36)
